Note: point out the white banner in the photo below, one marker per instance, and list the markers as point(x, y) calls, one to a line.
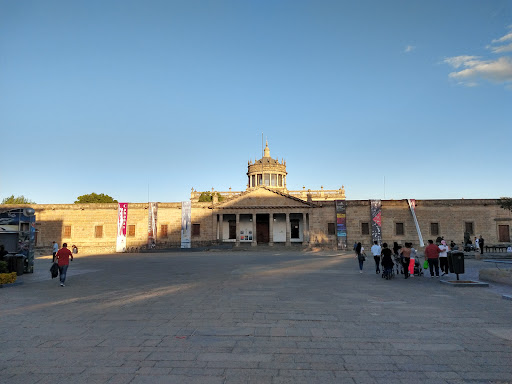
point(186, 231)
point(122, 216)
point(152, 220)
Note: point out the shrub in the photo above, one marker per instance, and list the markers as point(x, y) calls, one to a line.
point(3, 267)
point(7, 278)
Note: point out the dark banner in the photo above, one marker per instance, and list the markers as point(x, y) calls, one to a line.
point(341, 223)
point(375, 212)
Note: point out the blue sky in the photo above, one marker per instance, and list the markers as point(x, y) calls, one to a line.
point(115, 96)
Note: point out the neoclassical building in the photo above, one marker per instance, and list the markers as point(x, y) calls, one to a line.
point(266, 213)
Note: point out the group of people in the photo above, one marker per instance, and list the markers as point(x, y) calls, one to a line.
point(63, 256)
point(436, 256)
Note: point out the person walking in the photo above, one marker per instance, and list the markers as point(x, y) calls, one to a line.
point(432, 252)
point(414, 255)
point(387, 261)
point(376, 251)
point(55, 249)
point(360, 256)
point(63, 255)
point(406, 259)
point(481, 244)
point(443, 257)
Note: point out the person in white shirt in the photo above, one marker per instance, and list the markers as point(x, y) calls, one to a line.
point(443, 257)
point(55, 249)
point(376, 250)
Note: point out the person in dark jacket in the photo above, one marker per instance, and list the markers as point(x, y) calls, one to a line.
point(387, 260)
point(360, 256)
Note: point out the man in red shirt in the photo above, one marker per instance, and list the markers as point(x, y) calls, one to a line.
point(432, 252)
point(62, 257)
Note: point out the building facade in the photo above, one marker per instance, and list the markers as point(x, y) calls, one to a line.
point(268, 214)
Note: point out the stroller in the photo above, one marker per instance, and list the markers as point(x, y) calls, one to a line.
point(418, 267)
point(388, 269)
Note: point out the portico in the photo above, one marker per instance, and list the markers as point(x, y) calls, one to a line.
point(263, 216)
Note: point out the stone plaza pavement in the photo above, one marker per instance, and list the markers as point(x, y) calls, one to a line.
point(272, 316)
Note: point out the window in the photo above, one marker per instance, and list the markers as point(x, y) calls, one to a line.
point(399, 229)
point(253, 181)
point(196, 229)
point(98, 231)
point(267, 178)
point(260, 179)
point(274, 180)
point(131, 231)
point(163, 230)
point(468, 227)
point(434, 229)
point(331, 229)
point(67, 231)
point(365, 228)
point(503, 233)
point(280, 180)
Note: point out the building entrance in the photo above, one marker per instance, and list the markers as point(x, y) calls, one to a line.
point(262, 228)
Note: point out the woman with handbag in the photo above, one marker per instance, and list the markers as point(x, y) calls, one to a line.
point(360, 256)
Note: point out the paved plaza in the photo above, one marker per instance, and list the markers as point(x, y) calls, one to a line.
point(274, 316)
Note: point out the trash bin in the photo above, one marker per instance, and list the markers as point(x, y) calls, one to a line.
point(16, 263)
point(456, 262)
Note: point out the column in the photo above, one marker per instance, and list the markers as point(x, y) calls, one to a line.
point(221, 227)
point(288, 234)
point(271, 229)
point(254, 241)
point(305, 229)
point(237, 244)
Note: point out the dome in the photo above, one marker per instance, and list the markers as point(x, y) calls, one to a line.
point(267, 172)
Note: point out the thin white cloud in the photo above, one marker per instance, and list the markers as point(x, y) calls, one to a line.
point(471, 69)
point(497, 71)
point(409, 48)
point(504, 44)
point(502, 48)
point(459, 61)
point(503, 39)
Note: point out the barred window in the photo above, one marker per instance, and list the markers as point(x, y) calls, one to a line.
point(399, 229)
point(469, 227)
point(196, 229)
point(331, 228)
point(67, 231)
point(163, 230)
point(365, 228)
point(434, 229)
point(131, 230)
point(98, 231)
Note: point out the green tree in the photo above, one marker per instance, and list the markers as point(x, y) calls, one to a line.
point(505, 203)
point(95, 198)
point(17, 200)
point(207, 197)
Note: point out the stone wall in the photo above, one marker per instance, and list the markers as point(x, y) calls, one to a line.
point(52, 220)
point(451, 215)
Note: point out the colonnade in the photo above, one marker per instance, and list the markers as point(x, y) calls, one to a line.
point(271, 219)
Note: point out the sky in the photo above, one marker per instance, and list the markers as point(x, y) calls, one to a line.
point(145, 100)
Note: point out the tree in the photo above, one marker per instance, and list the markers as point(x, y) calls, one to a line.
point(207, 197)
point(95, 198)
point(17, 200)
point(505, 203)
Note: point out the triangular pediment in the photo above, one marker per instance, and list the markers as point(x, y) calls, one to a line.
point(264, 197)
